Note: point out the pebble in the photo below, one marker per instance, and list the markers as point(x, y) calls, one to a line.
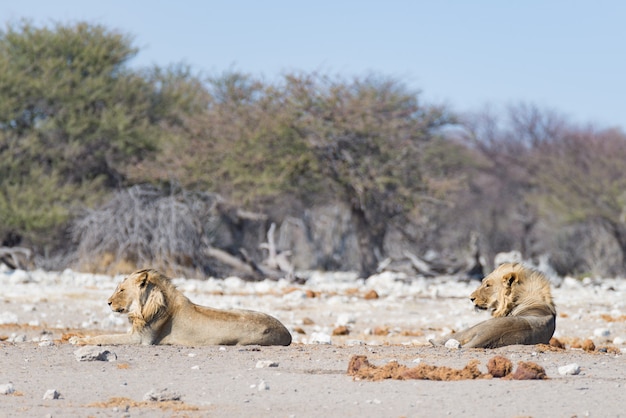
point(51, 394)
point(8, 318)
point(601, 332)
point(263, 385)
point(569, 369)
point(7, 389)
point(161, 395)
point(266, 363)
point(618, 341)
point(90, 353)
point(46, 343)
point(320, 338)
point(17, 338)
point(345, 319)
point(452, 343)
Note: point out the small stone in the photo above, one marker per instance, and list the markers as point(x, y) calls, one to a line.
point(341, 330)
point(372, 294)
point(345, 319)
point(320, 338)
point(452, 343)
point(51, 394)
point(18, 338)
point(92, 353)
point(618, 341)
point(601, 332)
point(266, 363)
point(263, 386)
point(8, 318)
point(46, 343)
point(7, 389)
point(569, 369)
point(163, 395)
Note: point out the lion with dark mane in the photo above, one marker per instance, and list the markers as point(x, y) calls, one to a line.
point(521, 304)
point(160, 314)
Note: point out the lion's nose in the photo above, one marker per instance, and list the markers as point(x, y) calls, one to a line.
point(471, 298)
point(109, 302)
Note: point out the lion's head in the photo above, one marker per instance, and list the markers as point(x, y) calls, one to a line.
point(140, 296)
point(496, 291)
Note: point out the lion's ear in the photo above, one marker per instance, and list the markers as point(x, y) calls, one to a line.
point(510, 278)
point(142, 279)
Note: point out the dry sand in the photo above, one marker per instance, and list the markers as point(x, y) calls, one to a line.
point(308, 378)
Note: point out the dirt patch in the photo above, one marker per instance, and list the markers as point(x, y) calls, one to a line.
point(499, 366)
point(126, 403)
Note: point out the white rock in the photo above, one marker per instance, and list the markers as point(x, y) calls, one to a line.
point(345, 319)
point(162, 395)
point(601, 332)
point(320, 338)
point(51, 394)
point(7, 389)
point(266, 363)
point(17, 338)
point(46, 343)
point(8, 318)
point(263, 385)
point(570, 369)
point(452, 343)
point(417, 360)
point(91, 353)
point(20, 276)
point(618, 341)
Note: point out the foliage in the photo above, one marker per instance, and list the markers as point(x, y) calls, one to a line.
point(72, 118)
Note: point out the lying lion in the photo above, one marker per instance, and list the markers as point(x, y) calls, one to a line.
point(161, 314)
point(521, 305)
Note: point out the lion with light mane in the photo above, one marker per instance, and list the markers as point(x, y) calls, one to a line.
point(521, 304)
point(160, 314)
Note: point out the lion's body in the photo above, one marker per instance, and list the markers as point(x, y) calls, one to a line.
point(161, 314)
point(521, 304)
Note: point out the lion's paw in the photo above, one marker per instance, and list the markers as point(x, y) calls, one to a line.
point(75, 340)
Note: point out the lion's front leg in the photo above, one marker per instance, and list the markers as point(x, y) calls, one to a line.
point(113, 339)
point(463, 337)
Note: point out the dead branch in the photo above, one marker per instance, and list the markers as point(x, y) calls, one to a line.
point(15, 257)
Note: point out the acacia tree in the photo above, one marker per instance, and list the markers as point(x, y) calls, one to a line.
point(371, 139)
point(499, 204)
point(73, 117)
point(581, 178)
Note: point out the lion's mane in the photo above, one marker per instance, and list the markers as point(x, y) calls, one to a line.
point(521, 304)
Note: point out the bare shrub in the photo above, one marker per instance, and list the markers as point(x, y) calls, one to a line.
point(144, 226)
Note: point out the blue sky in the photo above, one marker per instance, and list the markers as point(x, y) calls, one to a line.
point(567, 56)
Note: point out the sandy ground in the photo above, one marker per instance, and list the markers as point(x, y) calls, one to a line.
point(308, 378)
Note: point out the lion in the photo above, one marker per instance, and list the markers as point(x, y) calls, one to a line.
point(160, 314)
point(521, 304)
